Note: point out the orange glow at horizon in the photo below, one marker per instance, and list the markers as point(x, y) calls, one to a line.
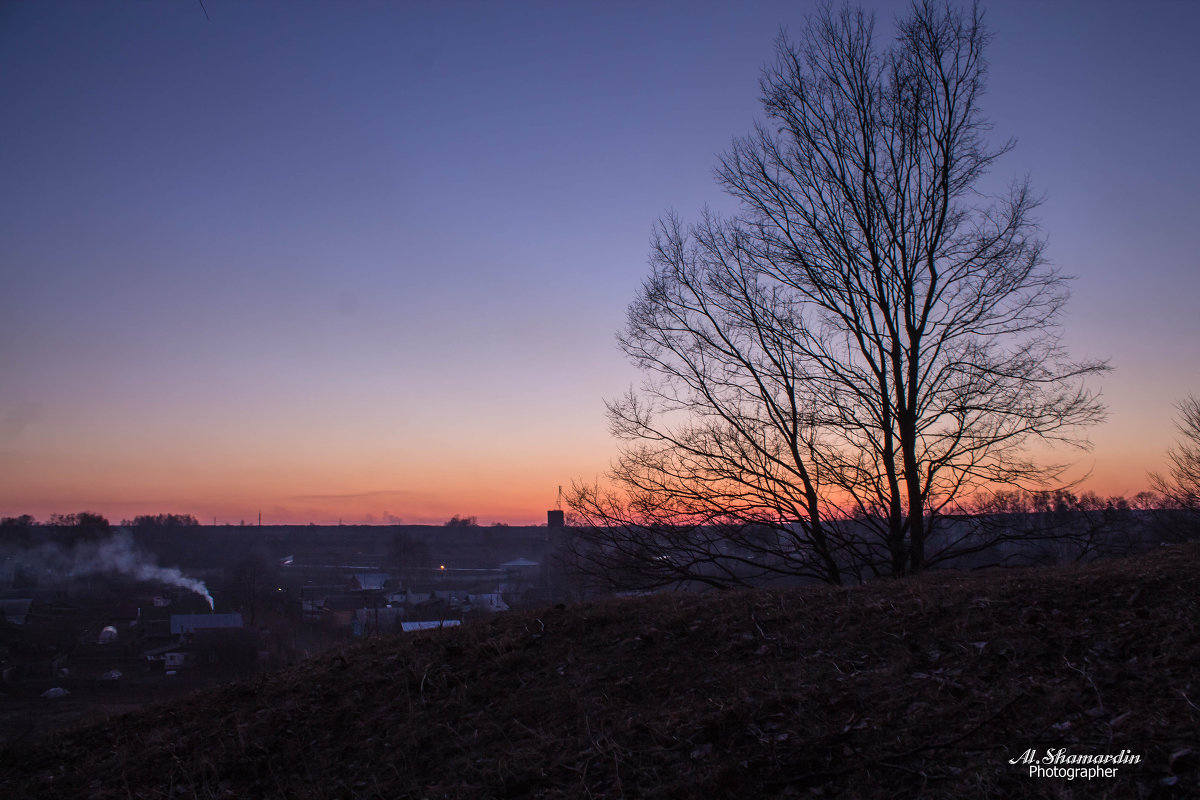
point(373, 489)
point(370, 493)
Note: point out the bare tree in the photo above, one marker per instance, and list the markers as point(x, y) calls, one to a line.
point(1049, 527)
point(251, 581)
point(717, 481)
point(869, 337)
point(407, 553)
point(1180, 487)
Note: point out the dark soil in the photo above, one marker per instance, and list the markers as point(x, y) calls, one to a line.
point(924, 687)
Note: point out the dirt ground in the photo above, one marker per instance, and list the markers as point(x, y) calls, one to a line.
point(925, 687)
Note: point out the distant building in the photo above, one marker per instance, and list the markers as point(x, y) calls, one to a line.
point(376, 620)
point(426, 625)
point(127, 613)
point(371, 581)
point(489, 601)
point(177, 659)
point(189, 623)
point(15, 611)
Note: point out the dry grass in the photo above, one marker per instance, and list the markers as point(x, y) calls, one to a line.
point(916, 688)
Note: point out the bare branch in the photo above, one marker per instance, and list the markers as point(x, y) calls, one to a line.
point(869, 338)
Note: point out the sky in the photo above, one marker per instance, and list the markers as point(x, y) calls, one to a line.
point(365, 262)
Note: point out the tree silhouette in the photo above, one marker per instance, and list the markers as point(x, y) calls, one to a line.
point(869, 337)
point(1180, 486)
point(86, 526)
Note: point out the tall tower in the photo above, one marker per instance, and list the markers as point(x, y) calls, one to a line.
point(555, 518)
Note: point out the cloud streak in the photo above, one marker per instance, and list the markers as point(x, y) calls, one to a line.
point(383, 494)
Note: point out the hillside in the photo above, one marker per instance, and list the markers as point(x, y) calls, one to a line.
point(923, 687)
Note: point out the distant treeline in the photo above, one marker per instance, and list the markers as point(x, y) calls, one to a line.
point(179, 539)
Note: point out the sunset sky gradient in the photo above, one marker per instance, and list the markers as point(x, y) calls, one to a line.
point(365, 261)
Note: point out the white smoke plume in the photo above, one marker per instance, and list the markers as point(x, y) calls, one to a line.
point(116, 555)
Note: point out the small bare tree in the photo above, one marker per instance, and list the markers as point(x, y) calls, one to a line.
point(1179, 488)
point(866, 344)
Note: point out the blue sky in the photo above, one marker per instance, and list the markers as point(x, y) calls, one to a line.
point(366, 260)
